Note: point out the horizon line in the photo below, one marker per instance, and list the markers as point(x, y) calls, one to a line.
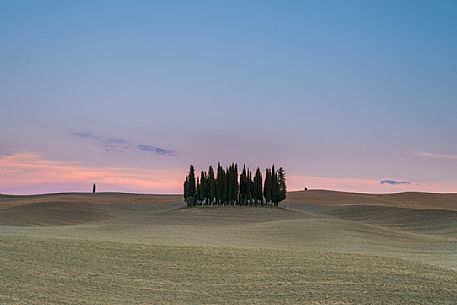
point(180, 194)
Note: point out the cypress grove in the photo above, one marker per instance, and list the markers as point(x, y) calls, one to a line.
point(227, 187)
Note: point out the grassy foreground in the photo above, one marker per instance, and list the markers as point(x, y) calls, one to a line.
point(132, 252)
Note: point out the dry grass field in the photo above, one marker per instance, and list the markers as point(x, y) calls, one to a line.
point(403, 200)
point(147, 249)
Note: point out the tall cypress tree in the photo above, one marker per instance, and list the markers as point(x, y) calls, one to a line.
point(197, 192)
point(219, 184)
point(207, 189)
point(282, 188)
point(253, 190)
point(203, 184)
point(274, 184)
point(211, 185)
point(249, 187)
point(223, 186)
point(258, 186)
point(185, 187)
point(236, 185)
point(243, 188)
point(191, 187)
point(267, 186)
point(229, 184)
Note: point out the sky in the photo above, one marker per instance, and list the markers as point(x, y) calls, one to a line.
point(345, 95)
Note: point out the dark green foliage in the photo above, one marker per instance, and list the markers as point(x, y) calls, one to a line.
point(232, 184)
point(225, 188)
point(243, 186)
point(249, 188)
point(197, 189)
point(235, 184)
point(223, 185)
point(186, 187)
point(190, 187)
point(274, 185)
point(229, 184)
point(219, 184)
point(282, 188)
point(203, 193)
point(258, 196)
point(267, 186)
point(211, 185)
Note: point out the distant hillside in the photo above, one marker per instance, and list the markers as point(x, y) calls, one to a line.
point(73, 208)
point(98, 198)
point(414, 200)
point(78, 208)
point(438, 221)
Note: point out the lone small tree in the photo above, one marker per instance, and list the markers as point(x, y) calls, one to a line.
point(93, 189)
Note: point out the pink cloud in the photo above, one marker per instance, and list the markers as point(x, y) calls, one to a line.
point(28, 172)
point(430, 155)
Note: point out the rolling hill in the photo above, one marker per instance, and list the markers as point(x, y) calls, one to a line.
point(113, 248)
point(413, 200)
point(73, 208)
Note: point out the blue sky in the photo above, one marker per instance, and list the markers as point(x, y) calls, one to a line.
point(343, 94)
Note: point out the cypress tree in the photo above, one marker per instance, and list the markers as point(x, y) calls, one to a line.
point(219, 184)
point(185, 187)
point(260, 189)
point(249, 187)
point(203, 184)
point(191, 189)
point(267, 187)
point(282, 188)
point(258, 186)
point(197, 193)
point(274, 184)
point(235, 183)
point(243, 188)
point(211, 185)
point(254, 190)
point(229, 184)
point(223, 186)
point(253, 196)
